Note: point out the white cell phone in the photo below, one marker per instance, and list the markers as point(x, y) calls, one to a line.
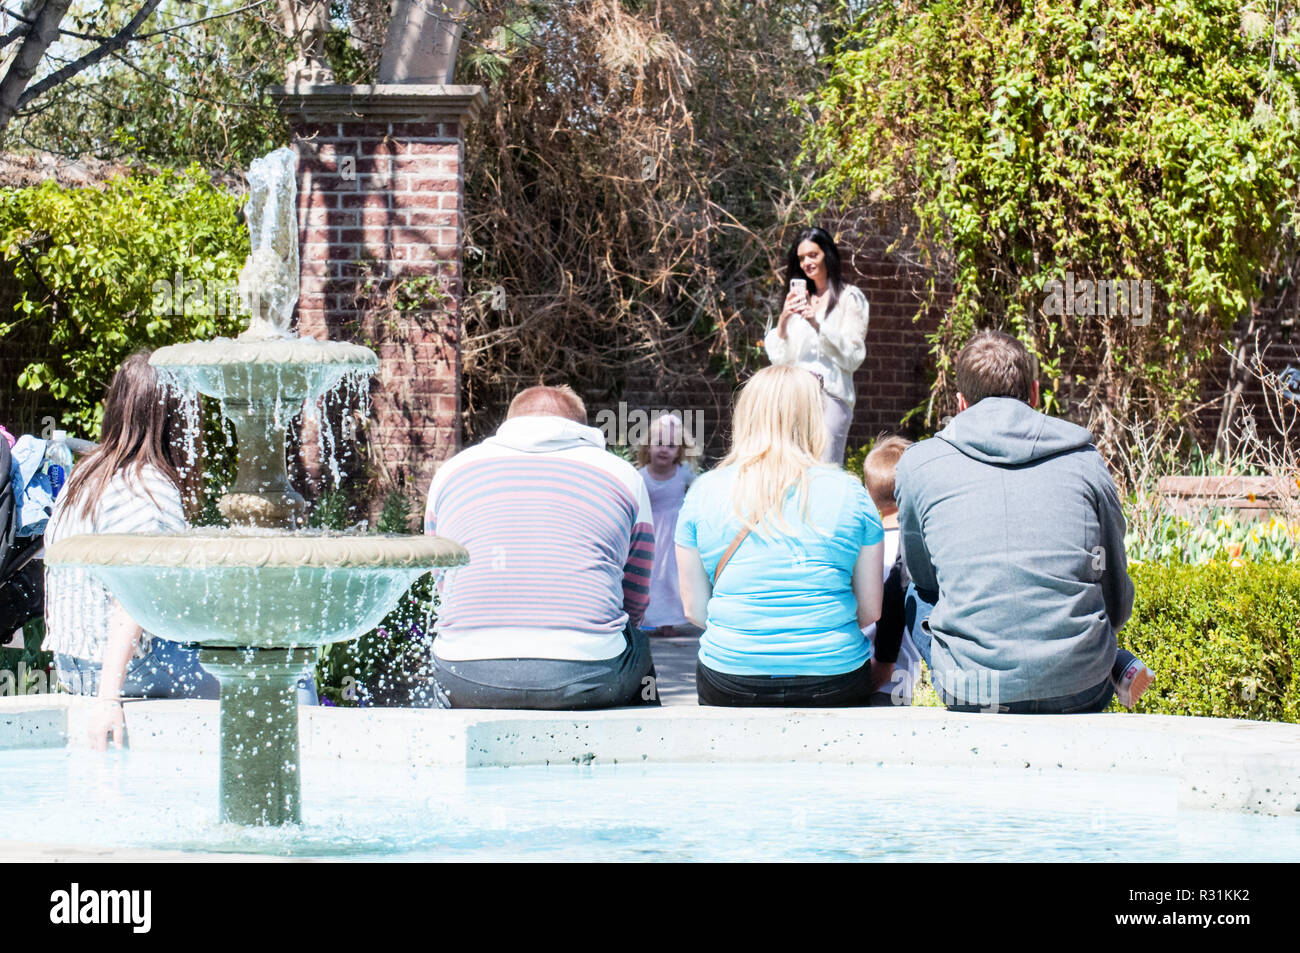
point(799, 286)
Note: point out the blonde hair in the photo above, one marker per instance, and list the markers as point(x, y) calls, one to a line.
point(879, 468)
point(778, 432)
point(684, 446)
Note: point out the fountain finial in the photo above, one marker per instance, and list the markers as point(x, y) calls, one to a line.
point(268, 283)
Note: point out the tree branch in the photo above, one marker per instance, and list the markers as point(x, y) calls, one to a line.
point(119, 40)
point(20, 30)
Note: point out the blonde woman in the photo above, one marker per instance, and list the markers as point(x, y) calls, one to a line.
point(780, 558)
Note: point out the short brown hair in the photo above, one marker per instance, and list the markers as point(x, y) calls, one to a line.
point(993, 364)
point(878, 469)
point(542, 401)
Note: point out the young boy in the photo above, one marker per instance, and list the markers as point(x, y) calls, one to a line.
point(1129, 675)
point(891, 630)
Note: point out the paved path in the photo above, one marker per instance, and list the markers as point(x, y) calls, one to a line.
point(675, 667)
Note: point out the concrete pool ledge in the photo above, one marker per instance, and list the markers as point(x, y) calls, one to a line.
point(1222, 764)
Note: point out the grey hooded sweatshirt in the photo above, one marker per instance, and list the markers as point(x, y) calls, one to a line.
point(1012, 526)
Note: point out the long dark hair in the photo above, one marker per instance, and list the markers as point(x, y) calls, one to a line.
point(144, 425)
point(832, 262)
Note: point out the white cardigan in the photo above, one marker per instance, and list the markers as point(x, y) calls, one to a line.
point(835, 352)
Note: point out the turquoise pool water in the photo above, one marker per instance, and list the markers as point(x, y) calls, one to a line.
point(646, 812)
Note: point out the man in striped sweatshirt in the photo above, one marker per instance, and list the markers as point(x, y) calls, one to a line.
point(561, 545)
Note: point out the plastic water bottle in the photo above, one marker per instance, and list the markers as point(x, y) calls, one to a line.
point(58, 461)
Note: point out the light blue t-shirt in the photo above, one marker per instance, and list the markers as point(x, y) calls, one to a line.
point(784, 604)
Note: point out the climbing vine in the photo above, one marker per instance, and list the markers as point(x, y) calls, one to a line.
point(1019, 144)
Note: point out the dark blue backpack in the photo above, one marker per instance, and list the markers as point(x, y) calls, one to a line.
point(22, 575)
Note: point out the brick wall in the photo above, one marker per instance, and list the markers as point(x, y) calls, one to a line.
point(381, 193)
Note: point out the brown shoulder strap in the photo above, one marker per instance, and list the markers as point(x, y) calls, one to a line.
point(726, 557)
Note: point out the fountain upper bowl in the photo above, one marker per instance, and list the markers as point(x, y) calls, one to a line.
point(259, 368)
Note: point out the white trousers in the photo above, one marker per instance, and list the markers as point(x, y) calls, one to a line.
point(838, 417)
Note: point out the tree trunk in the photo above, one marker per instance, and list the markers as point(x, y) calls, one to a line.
point(23, 66)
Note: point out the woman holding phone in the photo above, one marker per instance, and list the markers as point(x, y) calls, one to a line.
point(823, 329)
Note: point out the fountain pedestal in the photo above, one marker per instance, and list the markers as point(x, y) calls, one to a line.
point(259, 732)
point(261, 494)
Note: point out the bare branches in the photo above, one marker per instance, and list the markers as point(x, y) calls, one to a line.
point(628, 190)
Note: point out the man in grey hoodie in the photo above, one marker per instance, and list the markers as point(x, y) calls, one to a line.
point(1012, 531)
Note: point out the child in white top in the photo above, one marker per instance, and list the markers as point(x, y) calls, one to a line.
point(661, 461)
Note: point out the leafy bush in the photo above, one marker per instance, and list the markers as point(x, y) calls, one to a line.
point(854, 459)
point(1223, 641)
point(91, 263)
point(395, 516)
point(30, 668)
point(330, 511)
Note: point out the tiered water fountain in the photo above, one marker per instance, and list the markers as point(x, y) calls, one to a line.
point(260, 598)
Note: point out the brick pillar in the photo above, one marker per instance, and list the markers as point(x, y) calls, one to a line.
point(380, 199)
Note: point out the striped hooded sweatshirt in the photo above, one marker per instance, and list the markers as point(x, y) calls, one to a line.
point(560, 539)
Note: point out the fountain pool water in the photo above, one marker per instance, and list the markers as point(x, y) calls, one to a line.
point(144, 801)
point(259, 599)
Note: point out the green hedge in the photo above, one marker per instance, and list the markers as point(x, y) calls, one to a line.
point(1223, 642)
point(146, 259)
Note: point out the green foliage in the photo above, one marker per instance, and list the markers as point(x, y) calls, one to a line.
point(395, 516)
point(624, 451)
point(97, 266)
point(1223, 642)
point(388, 665)
point(854, 459)
point(1215, 536)
point(194, 94)
point(29, 660)
point(1016, 142)
point(330, 511)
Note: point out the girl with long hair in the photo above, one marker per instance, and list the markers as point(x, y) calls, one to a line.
point(661, 461)
point(779, 557)
point(823, 329)
point(134, 483)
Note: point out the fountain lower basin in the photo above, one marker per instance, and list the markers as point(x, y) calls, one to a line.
point(702, 784)
point(259, 590)
point(258, 602)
